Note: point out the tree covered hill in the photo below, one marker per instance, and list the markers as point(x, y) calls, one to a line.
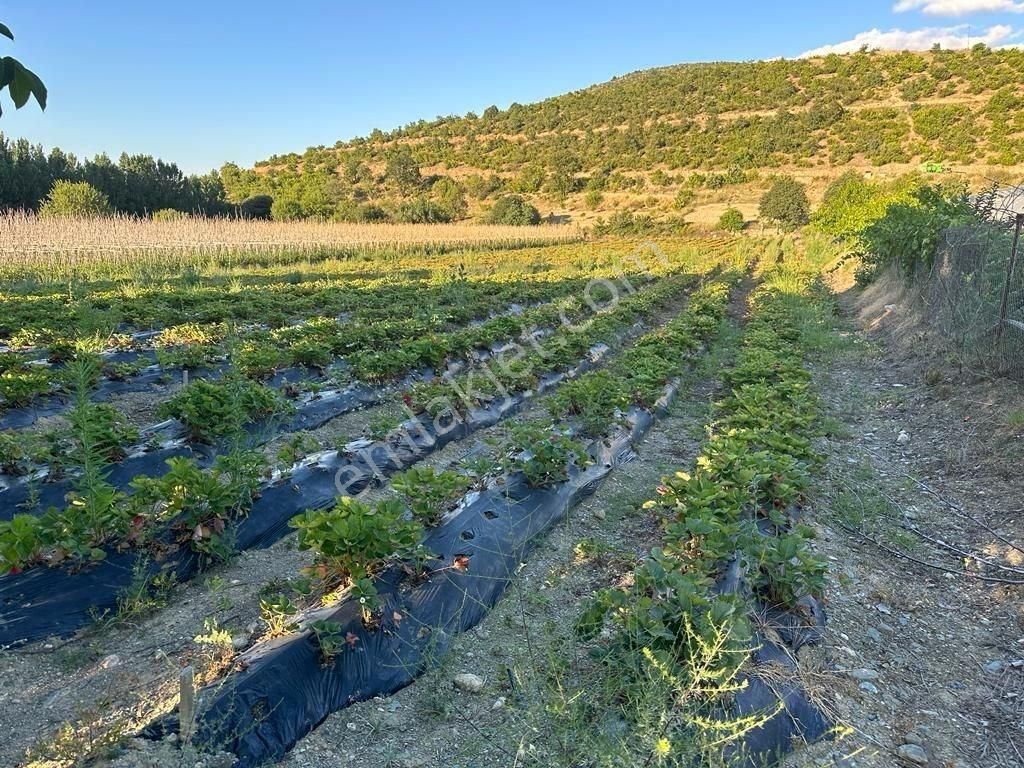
point(653, 131)
point(693, 140)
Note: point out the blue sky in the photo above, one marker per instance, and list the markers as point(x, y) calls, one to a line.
point(201, 83)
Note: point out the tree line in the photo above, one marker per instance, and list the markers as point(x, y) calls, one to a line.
point(136, 184)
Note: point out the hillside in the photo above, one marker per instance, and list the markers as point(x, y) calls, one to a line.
point(685, 139)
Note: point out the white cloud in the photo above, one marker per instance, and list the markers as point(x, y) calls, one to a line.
point(919, 39)
point(958, 7)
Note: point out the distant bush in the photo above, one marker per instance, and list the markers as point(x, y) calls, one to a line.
point(684, 198)
point(169, 214)
point(786, 204)
point(731, 220)
point(422, 211)
point(593, 199)
point(256, 207)
point(353, 212)
point(479, 187)
point(402, 170)
point(286, 209)
point(513, 209)
point(75, 198)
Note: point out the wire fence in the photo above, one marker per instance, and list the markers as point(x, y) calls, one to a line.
point(974, 291)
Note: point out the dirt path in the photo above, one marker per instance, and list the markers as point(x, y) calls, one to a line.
point(925, 664)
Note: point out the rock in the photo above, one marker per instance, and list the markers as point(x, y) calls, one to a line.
point(113, 660)
point(913, 753)
point(498, 703)
point(868, 687)
point(411, 760)
point(994, 667)
point(240, 641)
point(903, 437)
point(863, 674)
point(599, 514)
point(468, 683)
point(917, 736)
point(874, 635)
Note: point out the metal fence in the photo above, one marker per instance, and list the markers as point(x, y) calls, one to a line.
point(974, 291)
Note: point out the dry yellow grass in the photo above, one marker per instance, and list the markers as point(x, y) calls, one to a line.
point(28, 241)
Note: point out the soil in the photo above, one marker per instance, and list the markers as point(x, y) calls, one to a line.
point(916, 655)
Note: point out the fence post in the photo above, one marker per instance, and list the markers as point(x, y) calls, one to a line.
point(186, 704)
point(1009, 276)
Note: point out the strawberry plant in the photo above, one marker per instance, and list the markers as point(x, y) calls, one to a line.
point(329, 639)
point(543, 455)
point(219, 409)
point(200, 504)
point(353, 540)
point(593, 399)
point(21, 542)
point(427, 492)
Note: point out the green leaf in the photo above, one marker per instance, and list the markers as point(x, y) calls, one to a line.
point(20, 86)
point(6, 31)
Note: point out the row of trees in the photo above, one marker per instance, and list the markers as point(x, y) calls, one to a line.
point(135, 184)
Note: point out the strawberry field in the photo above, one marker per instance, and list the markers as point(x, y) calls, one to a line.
point(381, 438)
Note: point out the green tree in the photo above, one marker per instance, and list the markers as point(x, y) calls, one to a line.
point(286, 209)
point(402, 170)
point(450, 197)
point(786, 204)
point(256, 207)
point(20, 82)
point(512, 209)
point(77, 199)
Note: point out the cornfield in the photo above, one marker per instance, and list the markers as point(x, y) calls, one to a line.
point(49, 249)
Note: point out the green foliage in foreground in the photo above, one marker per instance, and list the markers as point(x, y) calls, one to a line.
point(20, 82)
point(672, 621)
point(353, 540)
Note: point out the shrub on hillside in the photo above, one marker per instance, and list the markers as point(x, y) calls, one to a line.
point(513, 209)
point(75, 198)
point(256, 207)
point(786, 204)
point(450, 196)
point(731, 220)
point(684, 198)
point(421, 211)
point(593, 199)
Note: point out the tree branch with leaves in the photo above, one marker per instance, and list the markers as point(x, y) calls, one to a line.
point(20, 82)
